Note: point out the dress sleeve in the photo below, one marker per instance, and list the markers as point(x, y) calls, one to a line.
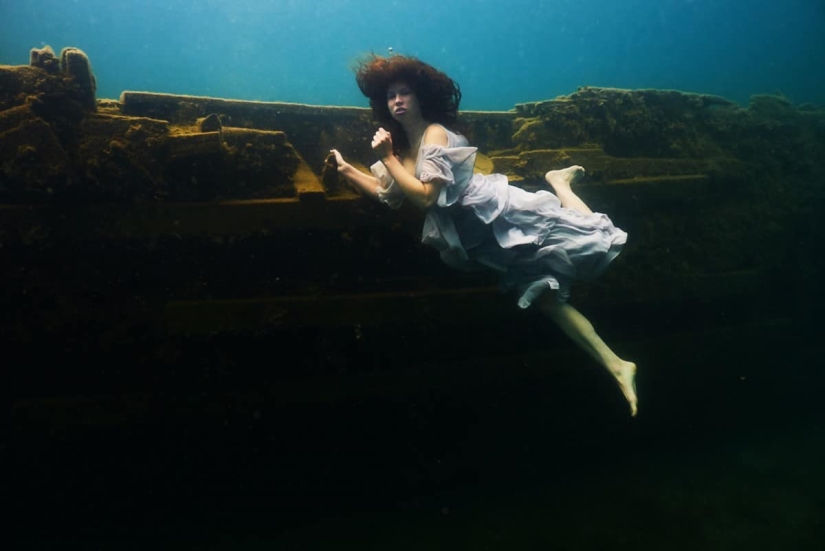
point(390, 193)
point(451, 165)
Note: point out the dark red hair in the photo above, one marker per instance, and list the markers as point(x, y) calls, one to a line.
point(438, 94)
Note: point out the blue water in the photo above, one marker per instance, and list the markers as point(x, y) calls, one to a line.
point(501, 52)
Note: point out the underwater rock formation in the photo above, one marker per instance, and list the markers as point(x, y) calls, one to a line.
point(202, 216)
point(59, 145)
point(45, 59)
point(75, 64)
point(210, 123)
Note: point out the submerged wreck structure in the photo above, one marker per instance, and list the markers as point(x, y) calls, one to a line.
point(174, 241)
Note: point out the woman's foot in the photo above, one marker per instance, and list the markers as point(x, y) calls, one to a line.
point(625, 375)
point(561, 179)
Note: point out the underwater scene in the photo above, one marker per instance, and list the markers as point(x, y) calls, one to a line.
point(483, 275)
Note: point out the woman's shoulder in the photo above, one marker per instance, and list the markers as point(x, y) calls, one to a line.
point(435, 134)
point(438, 134)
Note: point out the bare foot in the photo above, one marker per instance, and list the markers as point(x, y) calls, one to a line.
point(561, 179)
point(625, 375)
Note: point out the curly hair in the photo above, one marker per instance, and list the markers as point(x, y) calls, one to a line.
point(438, 94)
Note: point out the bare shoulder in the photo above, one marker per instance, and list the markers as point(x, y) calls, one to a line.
point(435, 135)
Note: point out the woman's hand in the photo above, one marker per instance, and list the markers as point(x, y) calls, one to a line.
point(362, 182)
point(382, 144)
point(339, 160)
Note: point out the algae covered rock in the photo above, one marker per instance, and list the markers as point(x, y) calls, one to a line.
point(75, 64)
point(625, 123)
point(45, 59)
point(60, 145)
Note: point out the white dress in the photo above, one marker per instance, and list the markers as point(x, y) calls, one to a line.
point(483, 221)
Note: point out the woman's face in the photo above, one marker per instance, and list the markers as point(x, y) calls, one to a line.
point(402, 102)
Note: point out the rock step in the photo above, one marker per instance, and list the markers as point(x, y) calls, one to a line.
point(63, 412)
point(532, 165)
point(461, 306)
point(311, 207)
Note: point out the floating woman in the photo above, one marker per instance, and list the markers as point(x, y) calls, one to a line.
point(539, 242)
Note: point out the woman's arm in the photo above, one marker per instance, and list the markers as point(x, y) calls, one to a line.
point(422, 194)
point(366, 184)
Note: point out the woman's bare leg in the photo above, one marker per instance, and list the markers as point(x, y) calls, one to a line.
point(560, 181)
point(570, 320)
point(581, 331)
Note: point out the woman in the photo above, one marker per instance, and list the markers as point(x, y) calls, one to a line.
point(539, 242)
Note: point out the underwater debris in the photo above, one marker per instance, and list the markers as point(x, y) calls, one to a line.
point(772, 106)
point(45, 59)
point(210, 123)
point(75, 64)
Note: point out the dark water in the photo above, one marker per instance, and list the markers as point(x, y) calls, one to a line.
point(528, 446)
